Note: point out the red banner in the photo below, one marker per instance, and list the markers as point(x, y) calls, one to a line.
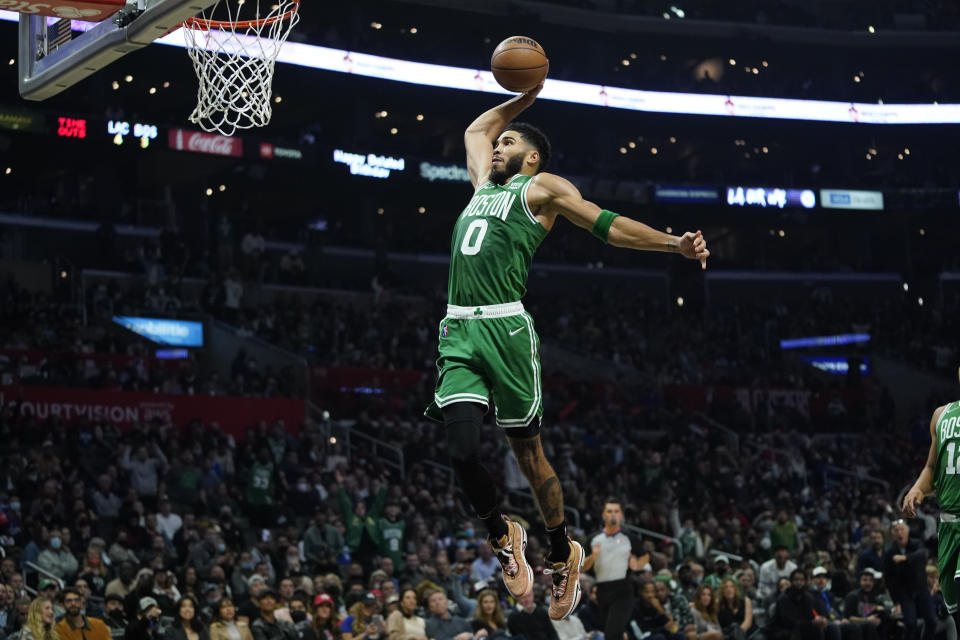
point(183, 140)
point(122, 408)
point(91, 10)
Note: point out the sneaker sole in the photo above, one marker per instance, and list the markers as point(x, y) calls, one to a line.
point(576, 591)
point(523, 554)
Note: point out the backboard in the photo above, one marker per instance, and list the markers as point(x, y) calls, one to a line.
point(47, 67)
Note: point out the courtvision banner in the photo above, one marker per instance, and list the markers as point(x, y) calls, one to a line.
point(124, 408)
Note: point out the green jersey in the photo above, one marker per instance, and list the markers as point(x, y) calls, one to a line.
point(946, 481)
point(260, 484)
point(493, 244)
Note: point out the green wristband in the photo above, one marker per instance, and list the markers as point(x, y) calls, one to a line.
point(602, 226)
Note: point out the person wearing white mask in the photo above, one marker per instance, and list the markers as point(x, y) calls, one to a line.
point(56, 557)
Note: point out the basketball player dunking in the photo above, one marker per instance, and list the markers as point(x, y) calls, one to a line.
point(488, 346)
point(940, 476)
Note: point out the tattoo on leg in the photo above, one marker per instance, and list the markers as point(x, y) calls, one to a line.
point(550, 501)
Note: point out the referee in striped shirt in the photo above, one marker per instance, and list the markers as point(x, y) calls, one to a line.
point(611, 559)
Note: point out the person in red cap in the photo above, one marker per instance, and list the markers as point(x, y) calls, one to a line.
point(326, 618)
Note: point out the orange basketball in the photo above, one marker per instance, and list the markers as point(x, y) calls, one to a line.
point(519, 64)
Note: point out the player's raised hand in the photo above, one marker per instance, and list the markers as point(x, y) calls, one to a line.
point(532, 94)
point(694, 247)
point(911, 501)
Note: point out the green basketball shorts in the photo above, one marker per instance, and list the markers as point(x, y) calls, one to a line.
point(489, 352)
point(948, 551)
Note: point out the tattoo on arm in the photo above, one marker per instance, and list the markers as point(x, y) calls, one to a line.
point(550, 500)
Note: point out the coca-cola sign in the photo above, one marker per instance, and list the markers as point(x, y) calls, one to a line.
point(198, 142)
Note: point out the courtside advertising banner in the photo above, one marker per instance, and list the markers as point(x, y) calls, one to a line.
point(126, 408)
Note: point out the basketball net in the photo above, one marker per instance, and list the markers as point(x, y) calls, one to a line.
point(234, 61)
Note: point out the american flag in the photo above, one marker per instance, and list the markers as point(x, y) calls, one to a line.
point(58, 34)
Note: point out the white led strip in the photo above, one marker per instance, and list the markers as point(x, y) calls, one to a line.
point(434, 75)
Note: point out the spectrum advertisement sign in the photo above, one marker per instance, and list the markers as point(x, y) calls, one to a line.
point(847, 199)
point(771, 197)
point(178, 333)
point(444, 172)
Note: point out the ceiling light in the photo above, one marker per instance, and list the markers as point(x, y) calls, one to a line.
point(393, 131)
point(278, 99)
point(756, 71)
point(8, 170)
point(128, 78)
point(869, 157)
point(166, 85)
point(419, 117)
point(222, 188)
point(653, 150)
point(669, 229)
point(899, 156)
point(920, 301)
point(871, 29)
point(856, 78)
point(923, 231)
point(115, 85)
point(209, 191)
point(623, 149)
point(680, 301)
point(732, 62)
point(632, 144)
point(413, 30)
point(764, 64)
point(906, 151)
point(673, 139)
point(422, 210)
point(376, 25)
point(633, 56)
point(152, 91)
point(906, 287)
point(766, 150)
point(12, 62)
point(663, 58)
point(625, 62)
point(782, 233)
point(380, 211)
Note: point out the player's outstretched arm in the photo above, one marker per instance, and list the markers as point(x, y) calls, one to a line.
point(482, 133)
point(924, 484)
point(620, 231)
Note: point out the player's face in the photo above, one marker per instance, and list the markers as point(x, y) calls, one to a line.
point(509, 153)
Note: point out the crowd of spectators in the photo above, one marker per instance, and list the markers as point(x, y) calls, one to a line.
point(160, 531)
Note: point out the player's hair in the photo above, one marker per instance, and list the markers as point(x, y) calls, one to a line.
point(536, 139)
point(612, 500)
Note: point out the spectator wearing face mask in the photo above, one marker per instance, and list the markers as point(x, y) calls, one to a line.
point(115, 616)
point(94, 571)
point(56, 558)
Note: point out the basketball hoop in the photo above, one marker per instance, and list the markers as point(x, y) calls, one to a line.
point(234, 60)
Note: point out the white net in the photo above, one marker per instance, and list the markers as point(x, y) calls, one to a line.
point(234, 57)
